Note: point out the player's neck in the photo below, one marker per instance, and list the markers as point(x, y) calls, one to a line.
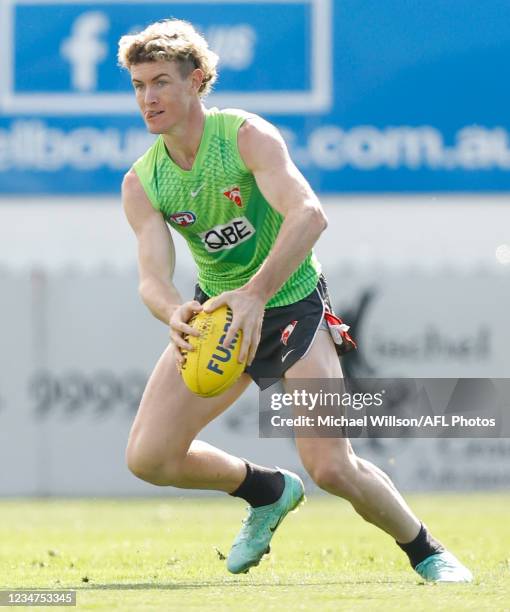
point(183, 141)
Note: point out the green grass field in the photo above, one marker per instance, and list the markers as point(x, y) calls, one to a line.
point(165, 555)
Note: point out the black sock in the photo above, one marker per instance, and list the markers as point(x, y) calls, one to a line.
point(262, 486)
point(421, 547)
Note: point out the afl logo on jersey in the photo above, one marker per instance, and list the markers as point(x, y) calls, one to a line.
point(183, 218)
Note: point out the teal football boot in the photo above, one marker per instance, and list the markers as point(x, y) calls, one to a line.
point(443, 567)
point(252, 542)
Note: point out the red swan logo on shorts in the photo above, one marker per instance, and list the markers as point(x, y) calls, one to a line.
point(287, 332)
point(234, 195)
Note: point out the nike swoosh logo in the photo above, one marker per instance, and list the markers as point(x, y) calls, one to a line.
point(273, 529)
point(284, 357)
point(195, 193)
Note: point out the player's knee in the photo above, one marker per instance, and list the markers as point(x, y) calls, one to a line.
point(330, 479)
point(143, 466)
point(336, 477)
point(152, 466)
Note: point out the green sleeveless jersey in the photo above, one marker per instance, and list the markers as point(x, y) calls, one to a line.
point(218, 208)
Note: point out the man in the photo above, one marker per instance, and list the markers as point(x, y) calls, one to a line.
point(225, 181)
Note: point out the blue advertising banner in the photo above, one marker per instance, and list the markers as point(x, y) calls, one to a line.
point(371, 97)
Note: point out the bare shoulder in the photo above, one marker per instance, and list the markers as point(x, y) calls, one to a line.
point(256, 126)
point(260, 143)
point(131, 184)
point(137, 206)
point(132, 189)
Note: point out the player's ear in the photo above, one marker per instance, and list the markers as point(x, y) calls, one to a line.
point(197, 77)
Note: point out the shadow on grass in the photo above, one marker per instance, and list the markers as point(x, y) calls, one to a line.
point(151, 586)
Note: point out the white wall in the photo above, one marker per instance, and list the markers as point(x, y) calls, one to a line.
point(79, 315)
point(389, 231)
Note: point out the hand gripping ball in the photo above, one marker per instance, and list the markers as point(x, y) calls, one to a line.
point(211, 368)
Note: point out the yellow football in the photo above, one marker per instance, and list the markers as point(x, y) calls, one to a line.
point(211, 368)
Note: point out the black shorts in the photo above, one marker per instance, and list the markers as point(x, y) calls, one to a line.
point(288, 333)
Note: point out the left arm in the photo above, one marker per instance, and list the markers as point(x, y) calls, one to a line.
point(287, 191)
point(265, 154)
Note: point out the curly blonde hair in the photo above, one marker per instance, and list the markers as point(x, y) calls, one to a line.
point(171, 40)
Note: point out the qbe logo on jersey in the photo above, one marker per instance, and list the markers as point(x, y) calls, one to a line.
point(60, 56)
point(227, 236)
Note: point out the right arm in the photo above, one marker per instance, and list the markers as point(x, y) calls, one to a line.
point(156, 262)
